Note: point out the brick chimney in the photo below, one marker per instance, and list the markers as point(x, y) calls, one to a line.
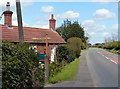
point(8, 15)
point(52, 23)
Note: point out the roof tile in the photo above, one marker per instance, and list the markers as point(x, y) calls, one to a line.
point(29, 33)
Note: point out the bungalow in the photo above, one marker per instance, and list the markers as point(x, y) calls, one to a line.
point(35, 36)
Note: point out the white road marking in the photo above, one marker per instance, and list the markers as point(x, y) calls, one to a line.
point(107, 57)
point(113, 61)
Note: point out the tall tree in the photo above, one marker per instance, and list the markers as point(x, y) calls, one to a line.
point(69, 29)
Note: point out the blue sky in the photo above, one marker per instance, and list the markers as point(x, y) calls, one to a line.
point(100, 20)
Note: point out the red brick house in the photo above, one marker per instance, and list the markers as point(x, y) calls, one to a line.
point(10, 32)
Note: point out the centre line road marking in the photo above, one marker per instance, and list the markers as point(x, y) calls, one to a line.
point(116, 61)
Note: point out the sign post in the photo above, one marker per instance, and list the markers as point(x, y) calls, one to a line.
point(46, 57)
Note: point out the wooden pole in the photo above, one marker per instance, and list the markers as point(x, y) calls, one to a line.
point(46, 63)
point(19, 19)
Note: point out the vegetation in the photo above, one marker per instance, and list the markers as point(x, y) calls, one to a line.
point(62, 53)
point(67, 73)
point(69, 29)
point(56, 67)
point(75, 44)
point(111, 46)
point(21, 68)
point(74, 35)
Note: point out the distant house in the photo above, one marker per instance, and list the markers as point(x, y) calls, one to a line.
point(10, 32)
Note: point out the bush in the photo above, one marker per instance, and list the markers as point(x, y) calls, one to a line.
point(56, 67)
point(21, 68)
point(62, 53)
point(75, 44)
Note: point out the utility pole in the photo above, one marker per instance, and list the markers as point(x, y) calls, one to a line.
point(19, 19)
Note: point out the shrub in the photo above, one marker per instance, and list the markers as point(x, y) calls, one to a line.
point(62, 53)
point(56, 67)
point(21, 68)
point(75, 44)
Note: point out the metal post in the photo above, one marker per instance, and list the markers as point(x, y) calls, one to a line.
point(19, 19)
point(46, 63)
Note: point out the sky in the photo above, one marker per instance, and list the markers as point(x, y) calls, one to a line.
point(99, 19)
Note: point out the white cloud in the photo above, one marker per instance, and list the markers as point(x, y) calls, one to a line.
point(115, 27)
point(26, 3)
point(48, 9)
point(105, 34)
point(15, 23)
point(14, 16)
point(40, 24)
point(103, 14)
point(90, 25)
point(92, 33)
point(68, 15)
point(14, 20)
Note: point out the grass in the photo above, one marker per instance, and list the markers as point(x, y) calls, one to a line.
point(84, 50)
point(69, 72)
point(113, 51)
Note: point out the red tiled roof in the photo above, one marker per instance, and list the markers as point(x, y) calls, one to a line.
point(29, 34)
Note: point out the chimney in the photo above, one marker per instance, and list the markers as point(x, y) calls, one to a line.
point(8, 15)
point(52, 22)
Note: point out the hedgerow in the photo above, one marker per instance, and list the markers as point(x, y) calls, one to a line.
point(20, 67)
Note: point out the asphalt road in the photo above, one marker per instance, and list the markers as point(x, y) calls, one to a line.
point(98, 68)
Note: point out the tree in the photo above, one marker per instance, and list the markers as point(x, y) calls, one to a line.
point(69, 29)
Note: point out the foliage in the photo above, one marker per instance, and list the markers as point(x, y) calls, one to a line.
point(62, 53)
point(75, 44)
point(70, 51)
point(68, 72)
point(56, 67)
point(21, 68)
point(113, 46)
point(68, 30)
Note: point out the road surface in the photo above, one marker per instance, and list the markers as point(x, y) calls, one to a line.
point(98, 68)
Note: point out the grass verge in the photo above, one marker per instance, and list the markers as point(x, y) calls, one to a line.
point(68, 72)
point(84, 50)
point(113, 51)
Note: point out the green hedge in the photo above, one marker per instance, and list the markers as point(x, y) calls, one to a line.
point(113, 45)
point(20, 67)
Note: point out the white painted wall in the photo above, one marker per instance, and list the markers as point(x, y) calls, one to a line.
point(53, 51)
